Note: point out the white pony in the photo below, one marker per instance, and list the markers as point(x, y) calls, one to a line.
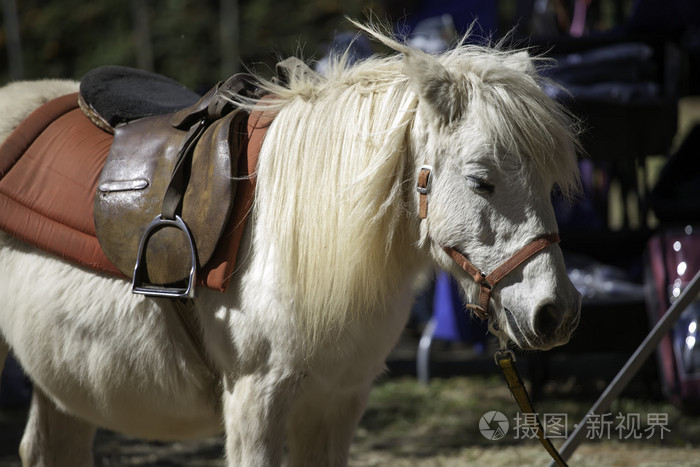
point(323, 283)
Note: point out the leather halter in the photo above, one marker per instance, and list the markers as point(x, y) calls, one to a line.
point(487, 282)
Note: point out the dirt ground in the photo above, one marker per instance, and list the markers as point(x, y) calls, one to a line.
point(438, 424)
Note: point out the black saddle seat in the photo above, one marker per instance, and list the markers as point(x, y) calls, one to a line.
point(120, 94)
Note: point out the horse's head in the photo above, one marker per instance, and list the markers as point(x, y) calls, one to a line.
point(496, 146)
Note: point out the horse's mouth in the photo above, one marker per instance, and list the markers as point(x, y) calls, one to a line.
point(513, 330)
point(527, 340)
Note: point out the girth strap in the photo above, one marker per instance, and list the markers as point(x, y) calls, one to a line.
point(488, 281)
point(187, 312)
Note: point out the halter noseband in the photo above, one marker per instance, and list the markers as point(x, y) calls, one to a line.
point(486, 282)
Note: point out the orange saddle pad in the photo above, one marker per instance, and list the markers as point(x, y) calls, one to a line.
point(49, 169)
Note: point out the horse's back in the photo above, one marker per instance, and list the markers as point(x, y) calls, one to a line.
point(19, 99)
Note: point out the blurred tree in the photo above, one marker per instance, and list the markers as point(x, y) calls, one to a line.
point(142, 30)
point(229, 36)
point(13, 39)
point(197, 42)
point(183, 39)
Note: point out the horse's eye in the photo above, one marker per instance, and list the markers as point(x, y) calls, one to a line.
point(480, 185)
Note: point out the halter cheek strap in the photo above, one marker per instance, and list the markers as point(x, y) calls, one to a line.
point(423, 188)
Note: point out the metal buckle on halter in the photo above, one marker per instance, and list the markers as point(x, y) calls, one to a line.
point(483, 282)
point(423, 190)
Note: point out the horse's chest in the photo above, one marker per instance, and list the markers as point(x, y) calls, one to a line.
point(360, 355)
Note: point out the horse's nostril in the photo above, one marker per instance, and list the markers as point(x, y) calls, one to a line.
point(548, 318)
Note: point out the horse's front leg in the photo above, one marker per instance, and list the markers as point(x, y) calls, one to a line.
point(323, 424)
point(54, 438)
point(256, 409)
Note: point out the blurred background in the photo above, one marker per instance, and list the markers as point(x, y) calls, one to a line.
point(200, 41)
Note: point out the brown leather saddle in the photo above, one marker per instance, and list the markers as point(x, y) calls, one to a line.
point(168, 185)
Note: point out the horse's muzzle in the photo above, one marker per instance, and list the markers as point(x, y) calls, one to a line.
point(553, 324)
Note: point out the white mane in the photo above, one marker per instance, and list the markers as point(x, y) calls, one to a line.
point(336, 174)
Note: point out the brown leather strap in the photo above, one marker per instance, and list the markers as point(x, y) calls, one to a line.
point(488, 281)
point(175, 193)
point(465, 264)
point(506, 361)
point(423, 188)
point(520, 256)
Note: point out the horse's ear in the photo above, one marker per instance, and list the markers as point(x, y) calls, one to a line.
point(435, 86)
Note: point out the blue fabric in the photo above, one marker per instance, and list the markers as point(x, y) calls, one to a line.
point(452, 320)
point(449, 324)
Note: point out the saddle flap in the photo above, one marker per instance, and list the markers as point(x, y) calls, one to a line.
point(134, 181)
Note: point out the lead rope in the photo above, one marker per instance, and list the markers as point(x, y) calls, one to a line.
point(505, 359)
